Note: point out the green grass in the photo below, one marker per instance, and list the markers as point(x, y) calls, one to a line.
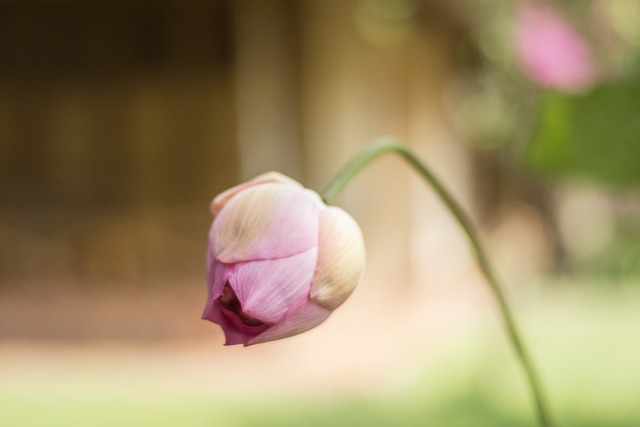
point(586, 343)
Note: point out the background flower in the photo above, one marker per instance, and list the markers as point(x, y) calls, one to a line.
point(550, 51)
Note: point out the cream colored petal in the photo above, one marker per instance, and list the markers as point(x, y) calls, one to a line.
point(268, 221)
point(340, 258)
point(269, 177)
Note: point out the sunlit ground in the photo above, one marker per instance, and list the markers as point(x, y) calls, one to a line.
point(436, 359)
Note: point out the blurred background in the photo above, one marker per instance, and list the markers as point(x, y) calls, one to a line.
point(120, 120)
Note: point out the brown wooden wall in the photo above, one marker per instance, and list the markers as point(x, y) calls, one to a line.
point(115, 118)
point(119, 120)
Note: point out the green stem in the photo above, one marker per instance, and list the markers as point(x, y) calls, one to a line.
point(387, 145)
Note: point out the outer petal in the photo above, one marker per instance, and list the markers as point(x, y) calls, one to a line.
point(304, 317)
point(268, 289)
point(233, 333)
point(268, 221)
point(274, 177)
point(233, 337)
point(217, 275)
point(340, 258)
point(217, 272)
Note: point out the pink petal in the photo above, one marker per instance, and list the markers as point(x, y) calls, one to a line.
point(268, 289)
point(223, 198)
point(268, 221)
point(301, 319)
point(217, 272)
point(233, 337)
point(234, 331)
point(217, 275)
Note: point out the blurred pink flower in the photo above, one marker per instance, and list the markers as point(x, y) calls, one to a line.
point(550, 51)
point(279, 260)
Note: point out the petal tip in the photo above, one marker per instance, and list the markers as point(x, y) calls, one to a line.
point(268, 177)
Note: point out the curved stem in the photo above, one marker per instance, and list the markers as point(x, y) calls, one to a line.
point(387, 145)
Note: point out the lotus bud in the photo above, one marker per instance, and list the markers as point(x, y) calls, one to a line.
point(279, 260)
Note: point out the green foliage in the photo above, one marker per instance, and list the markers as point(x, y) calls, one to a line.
point(595, 135)
point(583, 338)
point(620, 261)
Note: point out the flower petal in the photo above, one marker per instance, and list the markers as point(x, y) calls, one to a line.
point(268, 289)
point(268, 221)
point(340, 258)
point(217, 272)
point(274, 177)
point(300, 319)
point(217, 275)
point(232, 336)
point(232, 333)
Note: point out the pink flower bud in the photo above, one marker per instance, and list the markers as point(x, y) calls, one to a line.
point(279, 260)
point(550, 51)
